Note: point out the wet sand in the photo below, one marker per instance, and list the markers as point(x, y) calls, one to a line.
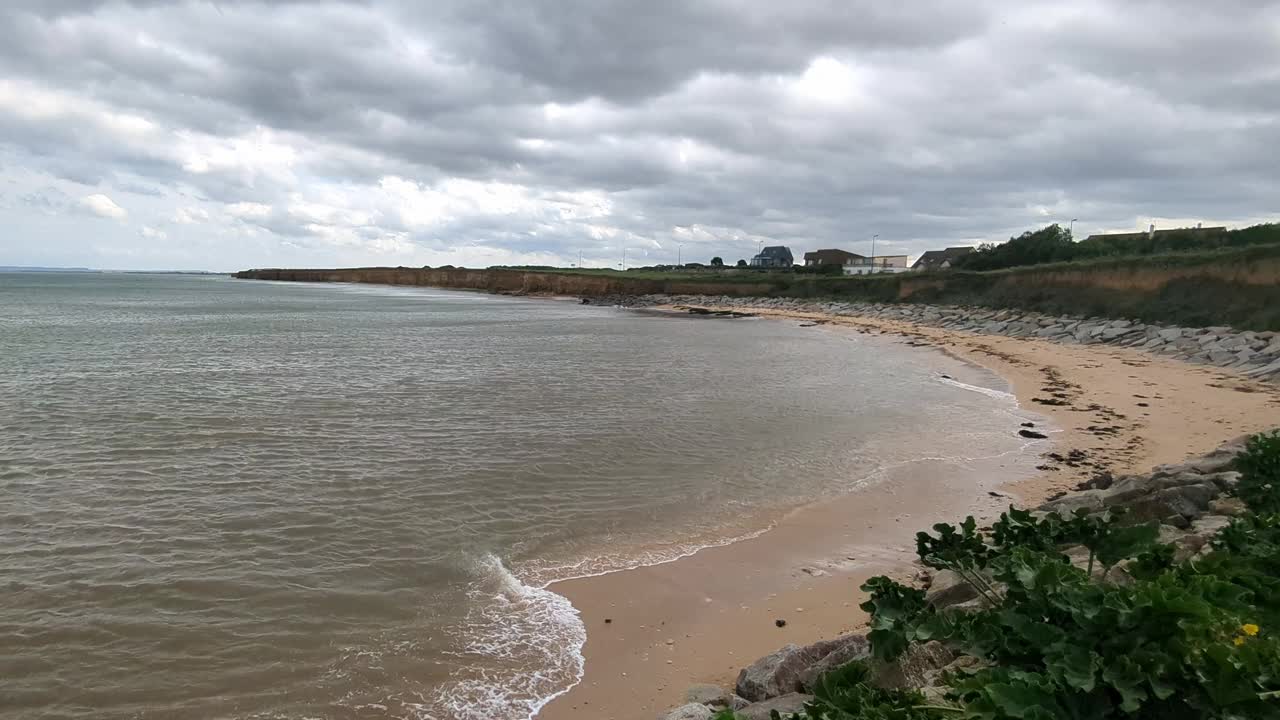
point(653, 631)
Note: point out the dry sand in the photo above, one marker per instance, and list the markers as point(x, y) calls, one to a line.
point(653, 631)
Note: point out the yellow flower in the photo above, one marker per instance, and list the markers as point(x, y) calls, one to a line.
point(1249, 629)
point(1238, 641)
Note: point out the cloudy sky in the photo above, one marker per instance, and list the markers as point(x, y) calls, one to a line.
point(231, 134)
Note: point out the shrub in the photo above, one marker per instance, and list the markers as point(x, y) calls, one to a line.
point(1195, 639)
point(1259, 467)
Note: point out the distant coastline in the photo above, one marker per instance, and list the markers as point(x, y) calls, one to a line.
point(42, 269)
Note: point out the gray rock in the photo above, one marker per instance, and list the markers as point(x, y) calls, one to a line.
point(1226, 481)
point(692, 711)
point(1169, 334)
point(777, 673)
point(949, 589)
point(1113, 333)
point(851, 647)
point(1067, 505)
point(1127, 488)
point(1267, 369)
point(713, 696)
point(1186, 501)
point(919, 666)
point(1228, 506)
point(784, 704)
point(1219, 357)
point(1209, 525)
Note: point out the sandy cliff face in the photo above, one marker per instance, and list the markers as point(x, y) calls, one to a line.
point(1241, 290)
point(510, 281)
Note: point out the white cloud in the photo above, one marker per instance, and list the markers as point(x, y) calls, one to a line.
point(190, 215)
point(151, 233)
point(103, 206)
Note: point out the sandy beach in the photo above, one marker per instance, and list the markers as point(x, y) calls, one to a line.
point(653, 631)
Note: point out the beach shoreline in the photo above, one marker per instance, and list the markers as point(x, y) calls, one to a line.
point(652, 631)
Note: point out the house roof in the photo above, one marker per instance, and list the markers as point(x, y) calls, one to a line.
point(935, 258)
point(830, 257)
point(776, 251)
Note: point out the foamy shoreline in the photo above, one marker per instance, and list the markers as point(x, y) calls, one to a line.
point(636, 676)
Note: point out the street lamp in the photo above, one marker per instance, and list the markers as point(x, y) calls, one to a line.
point(679, 248)
point(873, 252)
point(1071, 227)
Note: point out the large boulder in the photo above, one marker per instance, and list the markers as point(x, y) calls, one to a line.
point(948, 588)
point(1131, 487)
point(713, 696)
point(1185, 501)
point(849, 648)
point(786, 705)
point(1230, 507)
point(692, 711)
point(777, 673)
point(919, 666)
point(780, 672)
point(1067, 505)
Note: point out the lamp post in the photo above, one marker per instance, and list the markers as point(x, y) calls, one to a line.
point(873, 252)
point(624, 259)
point(1071, 228)
point(679, 248)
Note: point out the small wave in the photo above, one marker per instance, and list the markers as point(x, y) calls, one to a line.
point(998, 394)
point(522, 648)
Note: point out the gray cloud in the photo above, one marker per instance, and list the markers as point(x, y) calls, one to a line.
point(403, 132)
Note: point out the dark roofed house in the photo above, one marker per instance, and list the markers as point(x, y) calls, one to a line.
point(941, 259)
point(774, 256)
point(829, 257)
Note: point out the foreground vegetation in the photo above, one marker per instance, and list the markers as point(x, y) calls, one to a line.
point(1125, 633)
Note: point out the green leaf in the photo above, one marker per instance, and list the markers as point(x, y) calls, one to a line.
point(1073, 665)
point(1126, 678)
point(1019, 700)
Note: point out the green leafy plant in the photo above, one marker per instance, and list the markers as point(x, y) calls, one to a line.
point(1190, 639)
point(1259, 467)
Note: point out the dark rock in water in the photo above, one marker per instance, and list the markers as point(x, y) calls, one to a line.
point(780, 622)
point(608, 620)
point(1028, 424)
point(585, 301)
point(1032, 434)
point(947, 377)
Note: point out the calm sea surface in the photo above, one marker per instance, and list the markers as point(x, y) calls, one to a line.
point(236, 499)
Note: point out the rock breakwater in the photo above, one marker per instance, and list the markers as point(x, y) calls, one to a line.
point(1253, 354)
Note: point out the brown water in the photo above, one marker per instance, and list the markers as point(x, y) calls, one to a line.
point(240, 499)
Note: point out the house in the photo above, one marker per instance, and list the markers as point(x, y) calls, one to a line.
point(774, 256)
point(941, 259)
point(877, 264)
point(829, 257)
